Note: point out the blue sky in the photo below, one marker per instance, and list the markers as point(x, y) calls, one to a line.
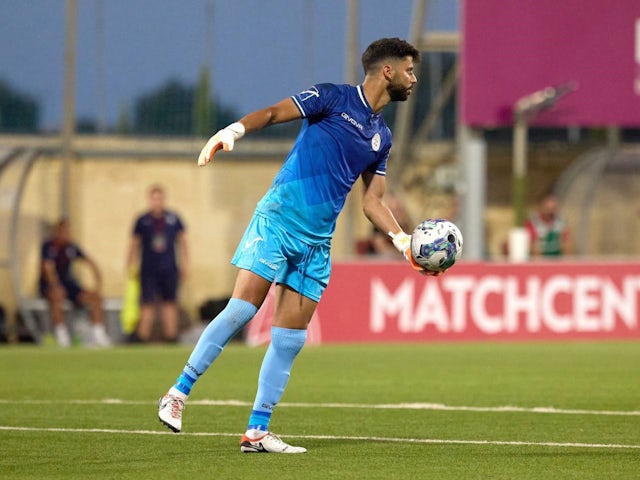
point(261, 51)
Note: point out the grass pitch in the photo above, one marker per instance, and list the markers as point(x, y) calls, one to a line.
point(444, 411)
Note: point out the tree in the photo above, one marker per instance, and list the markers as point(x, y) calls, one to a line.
point(179, 109)
point(18, 111)
point(203, 107)
point(86, 125)
point(166, 111)
point(124, 121)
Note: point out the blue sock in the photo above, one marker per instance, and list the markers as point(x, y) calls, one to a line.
point(223, 328)
point(274, 374)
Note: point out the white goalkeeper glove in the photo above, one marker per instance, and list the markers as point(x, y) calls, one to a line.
point(223, 140)
point(402, 242)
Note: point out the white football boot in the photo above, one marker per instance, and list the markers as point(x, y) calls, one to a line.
point(100, 336)
point(62, 336)
point(268, 443)
point(170, 410)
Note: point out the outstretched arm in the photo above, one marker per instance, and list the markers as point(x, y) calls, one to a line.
point(380, 215)
point(373, 204)
point(133, 254)
point(183, 252)
point(281, 112)
point(97, 277)
point(49, 273)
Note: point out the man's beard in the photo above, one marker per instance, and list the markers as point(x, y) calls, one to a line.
point(397, 93)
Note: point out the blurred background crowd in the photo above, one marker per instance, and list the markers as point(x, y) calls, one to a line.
point(108, 100)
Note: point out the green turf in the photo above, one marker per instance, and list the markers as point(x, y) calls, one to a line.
point(47, 389)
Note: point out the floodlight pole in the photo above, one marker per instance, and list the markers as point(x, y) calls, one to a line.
point(352, 63)
point(351, 76)
point(69, 121)
point(525, 109)
point(403, 123)
point(519, 185)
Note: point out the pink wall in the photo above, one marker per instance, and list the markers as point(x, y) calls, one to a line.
point(388, 302)
point(513, 48)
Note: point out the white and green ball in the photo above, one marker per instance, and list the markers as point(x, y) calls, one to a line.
point(436, 244)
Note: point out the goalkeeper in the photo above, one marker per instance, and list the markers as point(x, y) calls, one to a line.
point(343, 137)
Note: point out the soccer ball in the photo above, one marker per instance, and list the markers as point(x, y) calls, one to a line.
point(436, 244)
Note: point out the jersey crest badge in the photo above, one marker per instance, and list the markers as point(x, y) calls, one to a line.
point(375, 142)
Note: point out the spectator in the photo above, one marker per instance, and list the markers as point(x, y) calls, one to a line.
point(153, 248)
point(57, 283)
point(549, 233)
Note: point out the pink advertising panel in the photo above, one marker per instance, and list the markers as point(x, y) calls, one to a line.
point(388, 302)
point(514, 48)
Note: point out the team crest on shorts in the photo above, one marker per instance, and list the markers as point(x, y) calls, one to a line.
point(375, 142)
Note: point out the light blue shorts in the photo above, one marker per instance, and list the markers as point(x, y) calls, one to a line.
point(266, 249)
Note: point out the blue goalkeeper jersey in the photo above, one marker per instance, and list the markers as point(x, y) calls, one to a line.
point(341, 137)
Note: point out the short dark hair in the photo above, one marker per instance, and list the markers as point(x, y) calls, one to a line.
point(387, 48)
point(156, 188)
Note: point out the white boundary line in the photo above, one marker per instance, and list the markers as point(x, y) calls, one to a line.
point(330, 437)
point(382, 406)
